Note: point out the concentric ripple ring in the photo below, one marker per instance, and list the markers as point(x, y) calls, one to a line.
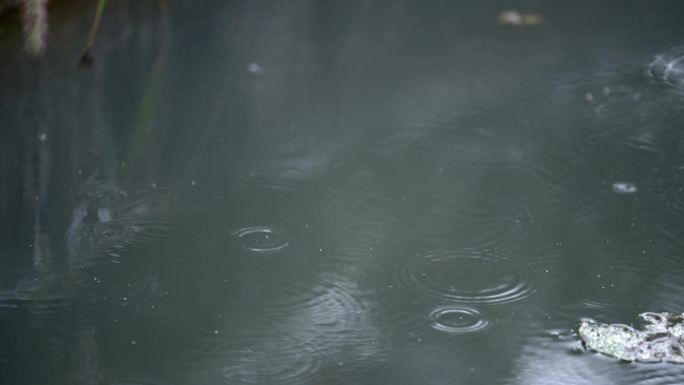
point(469, 278)
point(457, 320)
point(262, 239)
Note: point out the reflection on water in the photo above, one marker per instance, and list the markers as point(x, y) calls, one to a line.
point(559, 359)
point(352, 193)
point(668, 67)
point(296, 333)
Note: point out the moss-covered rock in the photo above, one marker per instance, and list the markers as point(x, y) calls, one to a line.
point(660, 340)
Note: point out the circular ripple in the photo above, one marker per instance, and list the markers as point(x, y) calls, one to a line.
point(329, 303)
point(283, 360)
point(294, 331)
point(474, 278)
point(476, 208)
point(599, 295)
point(457, 320)
point(612, 276)
point(105, 221)
point(262, 239)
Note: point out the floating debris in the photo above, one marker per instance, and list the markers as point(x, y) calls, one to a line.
point(661, 340)
point(517, 19)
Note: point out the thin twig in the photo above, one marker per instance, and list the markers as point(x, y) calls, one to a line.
point(87, 56)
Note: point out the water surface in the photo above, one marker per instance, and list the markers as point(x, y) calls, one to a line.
point(315, 192)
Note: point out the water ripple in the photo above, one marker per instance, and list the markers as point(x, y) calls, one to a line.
point(457, 320)
point(295, 332)
point(555, 358)
point(39, 295)
point(469, 278)
point(273, 359)
point(467, 208)
point(668, 68)
point(613, 274)
point(107, 220)
point(262, 239)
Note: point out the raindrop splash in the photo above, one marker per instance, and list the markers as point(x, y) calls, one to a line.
point(469, 278)
point(457, 320)
point(262, 239)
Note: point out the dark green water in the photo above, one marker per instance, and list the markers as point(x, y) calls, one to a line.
point(321, 192)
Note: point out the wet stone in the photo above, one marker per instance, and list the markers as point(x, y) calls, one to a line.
point(660, 340)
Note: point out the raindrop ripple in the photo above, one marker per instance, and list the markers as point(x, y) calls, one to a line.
point(469, 278)
point(262, 239)
point(457, 320)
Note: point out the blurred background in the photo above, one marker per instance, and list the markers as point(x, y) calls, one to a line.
point(325, 192)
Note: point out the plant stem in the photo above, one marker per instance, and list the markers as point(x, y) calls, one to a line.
point(87, 58)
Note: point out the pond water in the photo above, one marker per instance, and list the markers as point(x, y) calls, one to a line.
point(319, 192)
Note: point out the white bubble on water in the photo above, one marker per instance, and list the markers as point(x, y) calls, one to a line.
point(625, 188)
point(255, 68)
